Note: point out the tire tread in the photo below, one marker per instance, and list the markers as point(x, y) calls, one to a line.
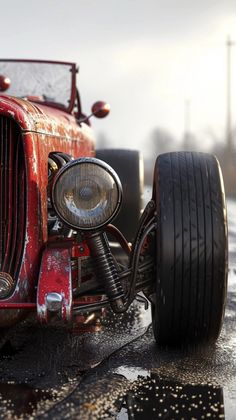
point(191, 248)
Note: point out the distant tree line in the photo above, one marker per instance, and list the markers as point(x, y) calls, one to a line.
point(162, 141)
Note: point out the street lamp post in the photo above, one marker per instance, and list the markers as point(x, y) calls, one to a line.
point(186, 138)
point(229, 44)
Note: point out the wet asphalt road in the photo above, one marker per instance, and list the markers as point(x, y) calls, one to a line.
point(118, 372)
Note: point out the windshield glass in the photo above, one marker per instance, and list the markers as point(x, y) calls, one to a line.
point(49, 82)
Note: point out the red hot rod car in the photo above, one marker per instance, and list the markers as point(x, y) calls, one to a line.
point(58, 248)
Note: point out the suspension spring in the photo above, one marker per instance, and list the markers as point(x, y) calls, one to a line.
point(106, 269)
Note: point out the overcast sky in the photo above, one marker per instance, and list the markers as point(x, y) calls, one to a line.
point(146, 58)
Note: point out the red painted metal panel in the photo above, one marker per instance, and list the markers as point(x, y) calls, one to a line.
point(42, 130)
point(18, 305)
point(55, 276)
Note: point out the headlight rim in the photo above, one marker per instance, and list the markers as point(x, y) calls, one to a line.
point(108, 169)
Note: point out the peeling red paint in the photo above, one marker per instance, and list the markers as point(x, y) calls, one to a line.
point(44, 130)
point(55, 276)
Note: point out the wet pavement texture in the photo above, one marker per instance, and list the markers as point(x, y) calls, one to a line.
point(118, 372)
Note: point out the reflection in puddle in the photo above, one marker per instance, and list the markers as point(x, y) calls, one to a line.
point(130, 373)
point(155, 398)
point(20, 399)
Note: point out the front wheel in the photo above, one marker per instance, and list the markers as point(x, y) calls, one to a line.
point(191, 248)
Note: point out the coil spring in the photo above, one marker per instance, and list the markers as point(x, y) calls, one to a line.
point(107, 271)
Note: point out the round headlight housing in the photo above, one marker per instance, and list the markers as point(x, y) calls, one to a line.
point(86, 194)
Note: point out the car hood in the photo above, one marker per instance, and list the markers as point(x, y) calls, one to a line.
point(32, 117)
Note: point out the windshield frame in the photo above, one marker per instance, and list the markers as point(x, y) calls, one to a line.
point(73, 70)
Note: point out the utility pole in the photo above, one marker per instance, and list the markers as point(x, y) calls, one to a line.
point(229, 44)
point(187, 122)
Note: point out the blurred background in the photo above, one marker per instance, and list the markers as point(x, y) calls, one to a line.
point(167, 68)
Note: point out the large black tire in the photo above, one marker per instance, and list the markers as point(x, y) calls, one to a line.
point(129, 166)
point(191, 281)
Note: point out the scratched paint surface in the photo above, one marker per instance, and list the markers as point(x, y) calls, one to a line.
point(43, 130)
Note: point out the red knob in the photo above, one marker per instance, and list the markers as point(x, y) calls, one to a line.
point(5, 83)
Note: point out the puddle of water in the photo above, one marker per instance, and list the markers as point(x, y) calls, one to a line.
point(20, 399)
point(130, 373)
point(153, 398)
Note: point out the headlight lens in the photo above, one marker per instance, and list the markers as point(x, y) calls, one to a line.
point(86, 193)
point(6, 284)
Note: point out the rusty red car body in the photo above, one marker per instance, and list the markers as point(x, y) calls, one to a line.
point(43, 129)
point(59, 195)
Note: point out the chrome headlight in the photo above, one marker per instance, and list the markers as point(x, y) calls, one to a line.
point(86, 194)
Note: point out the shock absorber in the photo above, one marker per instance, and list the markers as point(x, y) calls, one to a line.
point(106, 269)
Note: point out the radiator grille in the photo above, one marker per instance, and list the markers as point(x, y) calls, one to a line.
point(12, 197)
